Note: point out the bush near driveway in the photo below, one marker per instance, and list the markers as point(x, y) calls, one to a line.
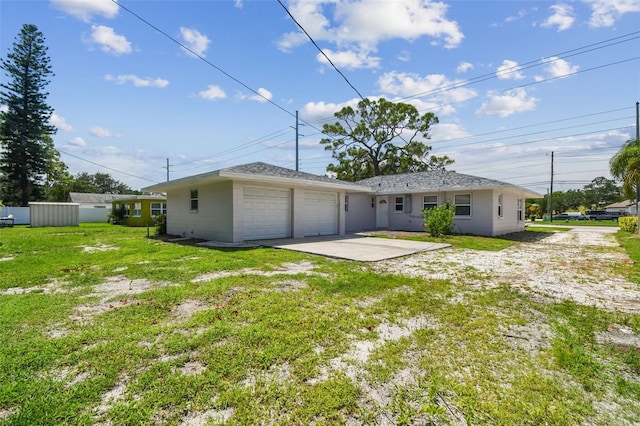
point(629, 224)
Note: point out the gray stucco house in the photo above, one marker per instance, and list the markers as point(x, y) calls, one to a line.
point(261, 201)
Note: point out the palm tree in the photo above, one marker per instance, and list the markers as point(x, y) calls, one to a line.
point(625, 165)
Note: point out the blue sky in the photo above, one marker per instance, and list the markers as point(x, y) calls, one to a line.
point(510, 81)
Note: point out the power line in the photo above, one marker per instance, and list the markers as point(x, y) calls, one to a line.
point(320, 50)
point(105, 167)
point(202, 58)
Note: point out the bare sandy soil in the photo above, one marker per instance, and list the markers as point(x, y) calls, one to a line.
point(578, 265)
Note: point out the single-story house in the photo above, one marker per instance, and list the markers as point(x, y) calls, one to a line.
point(623, 207)
point(261, 201)
point(95, 207)
point(140, 210)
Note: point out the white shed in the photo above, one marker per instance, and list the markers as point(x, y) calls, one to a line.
point(54, 214)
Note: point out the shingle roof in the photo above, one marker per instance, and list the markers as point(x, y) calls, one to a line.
point(89, 198)
point(264, 169)
point(621, 204)
point(437, 180)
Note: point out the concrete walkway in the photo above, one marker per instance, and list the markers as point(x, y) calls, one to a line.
point(353, 247)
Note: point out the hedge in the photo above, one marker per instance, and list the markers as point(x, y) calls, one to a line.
point(629, 224)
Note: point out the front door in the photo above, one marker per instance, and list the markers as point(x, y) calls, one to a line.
point(382, 212)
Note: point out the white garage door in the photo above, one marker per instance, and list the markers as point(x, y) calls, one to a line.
point(266, 213)
point(320, 213)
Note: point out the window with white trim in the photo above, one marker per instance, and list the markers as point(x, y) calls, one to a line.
point(158, 209)
point(126, 207)
point(194, 200)
point(520, 209)
point(399, 204)
point(429, 202)
point(500, 206)
point(346, 203)
point(137, 209)
point(463, 204)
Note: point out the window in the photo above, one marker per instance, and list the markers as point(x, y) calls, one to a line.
point(399, 204)
point(194, 200)
point(463, 204)
point(520, 204)
point(126, 207)
point(137, 210)
point(346, 203)
point(500, 209)
point(430, 201)
point(158, 208)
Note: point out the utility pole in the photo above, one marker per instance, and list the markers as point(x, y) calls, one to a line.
point(297, 160)
point(551, 194)
point(167, 167)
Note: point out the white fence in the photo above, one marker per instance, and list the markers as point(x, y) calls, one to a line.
point(21, 215)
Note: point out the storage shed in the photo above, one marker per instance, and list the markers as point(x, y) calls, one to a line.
point(54, 214)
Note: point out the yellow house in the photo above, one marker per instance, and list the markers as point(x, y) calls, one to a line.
point(139, 210)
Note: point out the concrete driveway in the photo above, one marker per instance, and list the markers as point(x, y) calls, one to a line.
point(353, 247)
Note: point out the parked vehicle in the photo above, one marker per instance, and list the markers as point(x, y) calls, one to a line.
point(602, 215)
point(570, 216)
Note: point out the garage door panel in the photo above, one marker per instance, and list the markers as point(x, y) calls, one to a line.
point(321, 213)
point(266, 213)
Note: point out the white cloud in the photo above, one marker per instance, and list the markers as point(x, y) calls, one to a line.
point(86, 9)
point(447, 131)
point(317, 111)
point(359, 26)
point(264, 95)
point(108, 40)
point(349, 59)
point(464, 67)
point(137, 81)
point(60, 123)
point(213, 92)
point(404, 56)
point(509, 70)
point(77, 141)
point(238, 4)
point(559, 67)
point(521, 14)
point(605, 13)
point(100, 132)
point(197, 42)
point(513, 101)
point(562, 17)
point(436, 87)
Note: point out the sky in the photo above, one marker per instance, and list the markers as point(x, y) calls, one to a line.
point(203, 85)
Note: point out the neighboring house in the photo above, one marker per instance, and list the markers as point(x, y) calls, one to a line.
point(261, 201)
point(95, 207)
point(482, 206)
point(624, 207)
point(141, 210)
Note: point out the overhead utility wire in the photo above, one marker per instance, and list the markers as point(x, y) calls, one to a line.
point(202, 58)
point(526, 65)
point(320, 50)
point(106, 167)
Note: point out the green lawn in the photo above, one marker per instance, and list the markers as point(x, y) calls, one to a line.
point(101, 325)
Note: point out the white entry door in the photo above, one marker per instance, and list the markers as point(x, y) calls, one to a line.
point(382, 212)
point(266, 213)
point(320, 213)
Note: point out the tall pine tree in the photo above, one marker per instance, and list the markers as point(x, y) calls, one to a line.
point(25, 132)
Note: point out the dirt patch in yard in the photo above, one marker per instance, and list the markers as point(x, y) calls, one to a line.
point(576, 265)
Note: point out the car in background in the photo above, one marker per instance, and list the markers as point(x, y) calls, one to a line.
point(602, 215)
point(570, 216)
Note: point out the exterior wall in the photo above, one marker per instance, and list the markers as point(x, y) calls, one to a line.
point(89, 214)
point(483, 220)
point(509, 222)
point(21, 215)
point(214, 219)
point(361, 215)
point(54, 214)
